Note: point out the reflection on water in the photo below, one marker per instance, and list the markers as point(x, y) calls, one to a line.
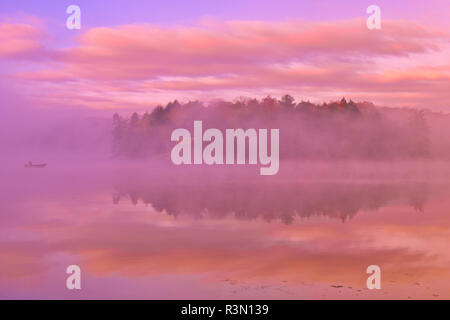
point(269, 201)
point(161, 237)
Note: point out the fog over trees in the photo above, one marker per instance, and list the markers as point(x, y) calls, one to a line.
point(336, 130)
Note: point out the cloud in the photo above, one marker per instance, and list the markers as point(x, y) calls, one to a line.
point(222, 59)
point(147, 51)
point(20, 40)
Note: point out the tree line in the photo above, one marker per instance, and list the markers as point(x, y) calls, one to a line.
point(328, 131)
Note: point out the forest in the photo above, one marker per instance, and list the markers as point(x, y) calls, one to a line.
point(336, 130)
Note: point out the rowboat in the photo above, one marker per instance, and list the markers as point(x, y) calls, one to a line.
point(38, 165)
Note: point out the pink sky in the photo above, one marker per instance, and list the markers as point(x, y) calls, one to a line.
point(137, 65)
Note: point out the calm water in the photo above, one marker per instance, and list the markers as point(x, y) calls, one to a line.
point(150, 234)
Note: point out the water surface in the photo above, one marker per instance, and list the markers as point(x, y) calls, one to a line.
point(156, 234)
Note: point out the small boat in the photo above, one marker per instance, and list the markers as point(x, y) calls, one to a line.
point(38, 165)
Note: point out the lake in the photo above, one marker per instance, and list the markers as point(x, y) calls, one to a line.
point(151, 232)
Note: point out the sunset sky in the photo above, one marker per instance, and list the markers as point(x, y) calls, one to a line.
point(135, 54)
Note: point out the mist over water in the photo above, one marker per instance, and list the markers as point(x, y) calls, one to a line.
point(144, 230)
point(92, 93)
point(113, 203)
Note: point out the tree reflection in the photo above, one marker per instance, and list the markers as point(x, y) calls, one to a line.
point(270, 201)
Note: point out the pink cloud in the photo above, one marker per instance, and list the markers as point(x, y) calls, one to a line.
point(147, 51)
point(234, 58)
point(19, 40)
